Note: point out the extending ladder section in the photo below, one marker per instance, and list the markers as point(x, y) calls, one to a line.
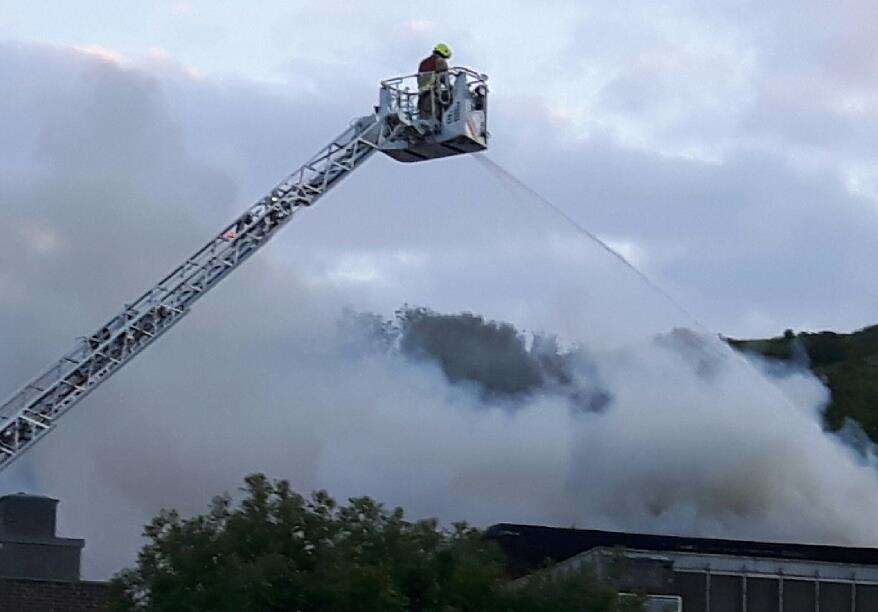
point(33, 411)
point(396, 129)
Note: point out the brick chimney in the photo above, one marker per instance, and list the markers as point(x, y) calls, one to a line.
point(29, 547)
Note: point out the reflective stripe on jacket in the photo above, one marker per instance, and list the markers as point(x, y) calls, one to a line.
point(427, 71)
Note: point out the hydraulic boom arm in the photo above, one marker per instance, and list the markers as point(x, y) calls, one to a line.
point(32, 412)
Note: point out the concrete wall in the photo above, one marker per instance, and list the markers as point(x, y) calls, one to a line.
point(29, 547)
point(29, 516)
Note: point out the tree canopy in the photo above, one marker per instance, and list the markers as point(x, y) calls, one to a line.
point(278, 550)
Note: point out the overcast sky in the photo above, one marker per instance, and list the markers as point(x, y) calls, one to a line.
point(725, 148)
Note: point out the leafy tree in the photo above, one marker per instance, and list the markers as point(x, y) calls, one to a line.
point(277, 550)
point(571, 591)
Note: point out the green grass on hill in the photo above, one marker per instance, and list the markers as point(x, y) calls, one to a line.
point(846, 363)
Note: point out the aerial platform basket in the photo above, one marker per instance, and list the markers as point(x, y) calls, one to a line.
point(450, 121)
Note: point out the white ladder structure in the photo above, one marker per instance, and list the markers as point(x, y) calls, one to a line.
point(396, 128)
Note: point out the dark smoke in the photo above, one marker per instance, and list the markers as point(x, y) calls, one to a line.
point(469, 348)
point(504, 364)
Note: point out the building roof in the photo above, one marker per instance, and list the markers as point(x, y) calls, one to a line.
point(529, 546)
point(21, 495)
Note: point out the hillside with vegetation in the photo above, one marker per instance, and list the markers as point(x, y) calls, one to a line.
point(846, 363)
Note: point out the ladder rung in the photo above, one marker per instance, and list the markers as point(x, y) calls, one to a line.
point(192, 262)
point(143, 331)
point(33, 422)
point(77, 387)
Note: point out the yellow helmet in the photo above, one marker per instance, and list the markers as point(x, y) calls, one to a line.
point(443, 50)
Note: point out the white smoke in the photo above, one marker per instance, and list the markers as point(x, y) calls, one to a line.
point(676, 451)
point(108, 191)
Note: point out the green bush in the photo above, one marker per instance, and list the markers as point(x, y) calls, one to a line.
point(277, 550)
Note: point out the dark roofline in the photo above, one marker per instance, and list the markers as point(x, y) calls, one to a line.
point(26, 496)
point(529, 546)
point(42, 541)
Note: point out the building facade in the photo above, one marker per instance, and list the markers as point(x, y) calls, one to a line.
point(701, 574)
point(29, 547)
point(39, 572)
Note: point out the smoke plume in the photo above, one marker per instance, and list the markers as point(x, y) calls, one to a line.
point(546, 385)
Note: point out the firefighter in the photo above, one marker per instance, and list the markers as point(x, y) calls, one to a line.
point(432, 76)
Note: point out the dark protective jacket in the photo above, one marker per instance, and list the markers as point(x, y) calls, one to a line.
point(428, 71)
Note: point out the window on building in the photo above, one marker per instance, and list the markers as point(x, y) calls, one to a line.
point(660, 603)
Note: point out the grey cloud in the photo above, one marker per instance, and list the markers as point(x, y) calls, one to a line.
point(791, 78)
point(124, 171)
point(752, 232)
